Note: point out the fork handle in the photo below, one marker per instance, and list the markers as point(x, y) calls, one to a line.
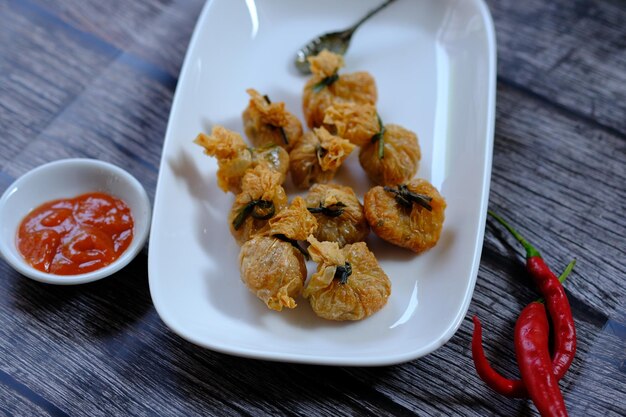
point(370, 14)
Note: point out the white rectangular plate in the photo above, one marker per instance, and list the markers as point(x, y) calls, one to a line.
point(434, 64)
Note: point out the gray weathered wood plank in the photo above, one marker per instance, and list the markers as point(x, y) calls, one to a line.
point(38, 76)
point(157, 31)
point(17, 401)
point(572, 53)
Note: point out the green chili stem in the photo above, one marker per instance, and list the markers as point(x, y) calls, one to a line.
point(530, 249)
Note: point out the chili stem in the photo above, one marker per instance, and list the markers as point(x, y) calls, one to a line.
point(530, 249)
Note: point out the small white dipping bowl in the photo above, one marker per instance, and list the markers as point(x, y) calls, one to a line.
point(69, 178)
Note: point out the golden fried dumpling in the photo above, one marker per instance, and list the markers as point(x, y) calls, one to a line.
point(271, 263)
point(273, 270)
point(260, 199)
point(396, 161)
point(349, 283)
point(295, 222)
point(317, 157)
point(339, 214)
point(326, 87)
point(410, 215)
point(234, 157)
point(353, 121)
point(267, 123)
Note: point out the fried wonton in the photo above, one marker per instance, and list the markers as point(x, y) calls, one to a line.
point(349, 283)
point(339, 214)
point(410, 215)
point(261, 198)
point(272, 264)
point(326, 87)
point(317, 157)
point(393, 158)
point(269, 123)
point(235, 158)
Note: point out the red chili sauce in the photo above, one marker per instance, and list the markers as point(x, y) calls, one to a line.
point(76, 235)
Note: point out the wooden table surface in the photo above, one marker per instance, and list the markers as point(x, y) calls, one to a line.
point(95, 79)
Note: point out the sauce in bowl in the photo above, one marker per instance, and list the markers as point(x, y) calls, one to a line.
point(76, 235)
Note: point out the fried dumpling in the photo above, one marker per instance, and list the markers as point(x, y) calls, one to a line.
point(271, 264)
point(294, 222)
point(349, 283)
point(391, 158)
point(260, 199)
point(339, 214)
point(410, 215)
point(353, 121)
point(273, 270)
point(317, 157)
point(326, 87)
point(269, 123)
point(235, 158)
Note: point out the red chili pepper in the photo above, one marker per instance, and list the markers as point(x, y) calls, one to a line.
point(498, 383)
point(556, 302)
point(513, 388)
point(533, 359)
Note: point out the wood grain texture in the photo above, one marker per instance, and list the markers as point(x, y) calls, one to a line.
point(36, 76)
point(157, 31)
point(96, 79)
point(572, 53)
point(19, 401)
